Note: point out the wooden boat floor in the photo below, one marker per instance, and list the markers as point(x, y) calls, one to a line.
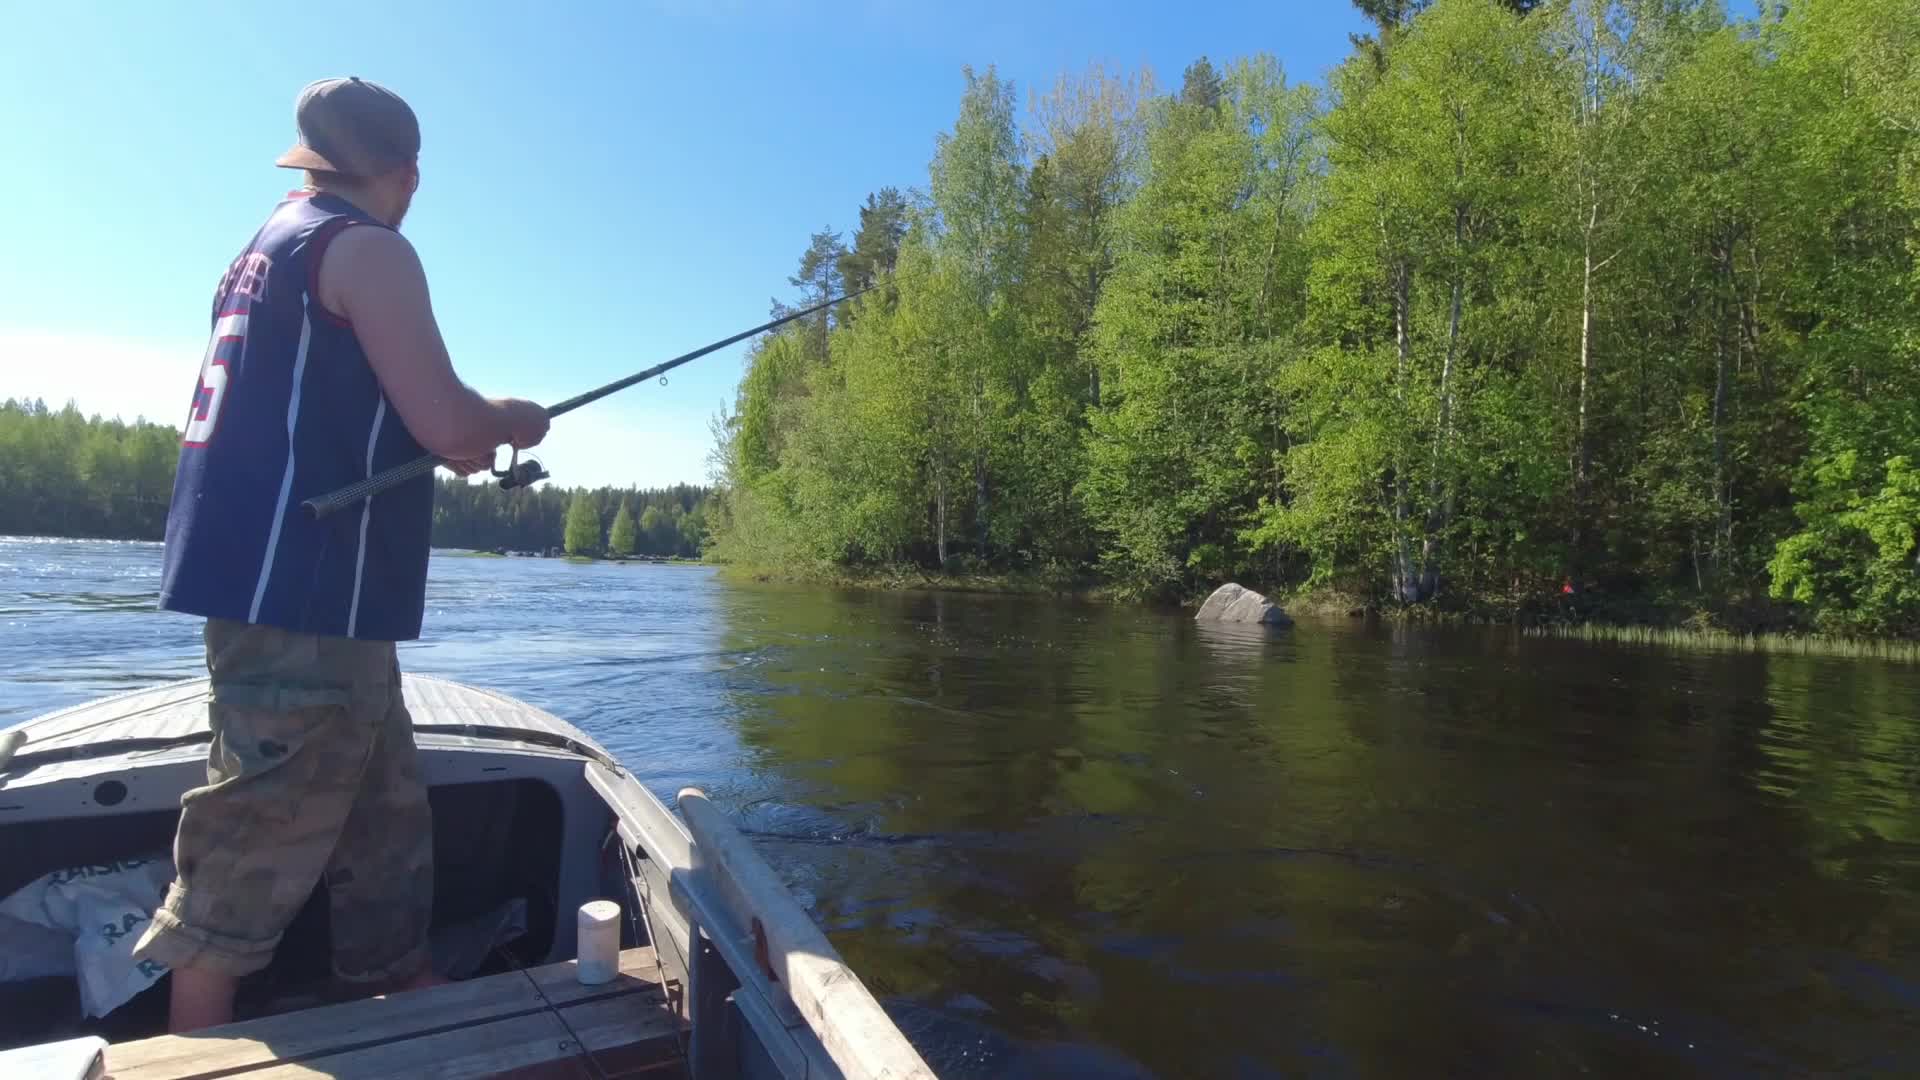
point(540, 1022)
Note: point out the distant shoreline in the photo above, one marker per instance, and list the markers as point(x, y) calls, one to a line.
point(443, 552)
point(481, 553)
point(1686, 635)
point(1332, 604)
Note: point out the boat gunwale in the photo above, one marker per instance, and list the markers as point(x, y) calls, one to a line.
point(562, 736)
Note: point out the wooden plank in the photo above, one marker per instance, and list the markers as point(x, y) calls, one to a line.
point(518, 1045)
point(330, 1029)
point(857, 1033)
point(320, 1030)
point(628, 1035)
point(638, 974)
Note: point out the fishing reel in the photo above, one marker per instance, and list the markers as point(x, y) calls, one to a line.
point(519, 473)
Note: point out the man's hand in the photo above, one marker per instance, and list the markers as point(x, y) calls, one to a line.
point(526, 422)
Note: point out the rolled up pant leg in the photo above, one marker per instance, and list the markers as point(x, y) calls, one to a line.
point(298, 723)
point(380, 878)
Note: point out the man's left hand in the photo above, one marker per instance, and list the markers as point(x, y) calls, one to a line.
point(470, 466)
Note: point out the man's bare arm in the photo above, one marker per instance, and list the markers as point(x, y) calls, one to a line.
point(373, 278)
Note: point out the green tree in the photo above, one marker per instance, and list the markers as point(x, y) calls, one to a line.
point(1425, 285)
point(1200, 86)
point(876, 243)
point(1200, 306)
point(1856, 562)
point(693, 532)
point(621, 540)
point(1853, 290)
point(583, 524)
point(976, 176)
point(653, 529)
point(818, 279)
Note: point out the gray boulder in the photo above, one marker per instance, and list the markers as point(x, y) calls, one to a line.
point(1232, 603)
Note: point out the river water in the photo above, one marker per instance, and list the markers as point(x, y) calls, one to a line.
point(1075, 840)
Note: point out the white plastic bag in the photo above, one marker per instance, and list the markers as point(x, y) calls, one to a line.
point(100, 911)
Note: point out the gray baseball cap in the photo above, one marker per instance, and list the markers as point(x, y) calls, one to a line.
point(352, 127)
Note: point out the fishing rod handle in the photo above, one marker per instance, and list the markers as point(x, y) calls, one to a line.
point(321, 505)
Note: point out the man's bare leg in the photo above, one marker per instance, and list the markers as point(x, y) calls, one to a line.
point(201, 998)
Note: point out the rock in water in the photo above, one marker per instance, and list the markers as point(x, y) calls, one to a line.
point(1232, 603)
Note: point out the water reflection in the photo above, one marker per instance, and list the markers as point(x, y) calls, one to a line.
point(1340, 849)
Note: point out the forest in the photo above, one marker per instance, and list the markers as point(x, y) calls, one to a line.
point(1602, 309)
point(63, 473)
point(66, 474)
point(667, 522)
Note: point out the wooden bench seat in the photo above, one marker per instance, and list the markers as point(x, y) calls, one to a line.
point(536, 1023)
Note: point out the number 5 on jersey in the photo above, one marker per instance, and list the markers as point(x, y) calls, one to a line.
point(229, 337)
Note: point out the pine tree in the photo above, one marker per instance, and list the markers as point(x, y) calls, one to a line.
point(1201, 85)
point(876, 244)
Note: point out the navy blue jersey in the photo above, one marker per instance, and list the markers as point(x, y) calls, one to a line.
point(287, 408)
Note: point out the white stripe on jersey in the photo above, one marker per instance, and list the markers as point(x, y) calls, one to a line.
point(286, 480)
point(366, 515)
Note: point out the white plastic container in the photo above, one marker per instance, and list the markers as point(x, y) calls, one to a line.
point(599, 942)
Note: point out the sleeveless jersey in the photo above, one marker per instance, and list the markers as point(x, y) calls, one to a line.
point(287, 408)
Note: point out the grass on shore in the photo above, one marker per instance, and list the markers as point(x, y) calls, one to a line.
point(1726, 641)
point(1320, 603)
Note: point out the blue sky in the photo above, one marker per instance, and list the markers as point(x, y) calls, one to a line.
point(604, 186)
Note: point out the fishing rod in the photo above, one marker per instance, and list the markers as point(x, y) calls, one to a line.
point(521, 474)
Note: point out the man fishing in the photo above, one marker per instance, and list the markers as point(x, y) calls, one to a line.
point(324, 367)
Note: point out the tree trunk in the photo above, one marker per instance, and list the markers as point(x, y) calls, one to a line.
point(980, 465)
point(1086, 320)
point(1273, 254)
point(1439, 491)
point(1582, 451)
point(1404, 584)
point(980, 499)
point(1722, 484)
point(940, 512)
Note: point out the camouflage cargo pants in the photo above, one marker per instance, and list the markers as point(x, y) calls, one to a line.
point(311, 774)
